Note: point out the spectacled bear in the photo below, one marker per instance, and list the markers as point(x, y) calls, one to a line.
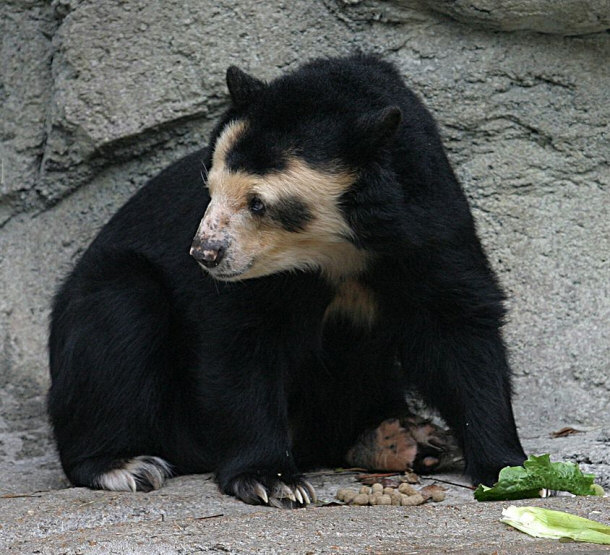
point(259, 322)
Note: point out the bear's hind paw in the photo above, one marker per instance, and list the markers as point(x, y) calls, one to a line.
point(142, 473)
point(437, 448)
point(409, 443)
point(386, 448)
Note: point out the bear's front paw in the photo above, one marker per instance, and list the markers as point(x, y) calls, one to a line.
point(261, 489)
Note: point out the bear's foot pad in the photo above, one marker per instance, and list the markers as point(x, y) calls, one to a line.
point(409, 443)
point(142, 473)
point(272, 491)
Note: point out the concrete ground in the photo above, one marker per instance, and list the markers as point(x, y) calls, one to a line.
point(189, 515)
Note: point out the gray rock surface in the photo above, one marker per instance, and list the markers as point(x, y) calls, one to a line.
point(562, 17)
point(97, 96)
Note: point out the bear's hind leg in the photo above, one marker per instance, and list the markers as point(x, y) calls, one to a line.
point(112, 368)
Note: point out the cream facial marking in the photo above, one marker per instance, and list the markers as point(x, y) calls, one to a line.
point(229, 136)
point(283, 220)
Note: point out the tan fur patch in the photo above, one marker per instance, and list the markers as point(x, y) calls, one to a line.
point(355, 301)
point(226, 140)
point(258, 246)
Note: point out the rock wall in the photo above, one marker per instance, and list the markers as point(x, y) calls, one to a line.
point(98, 95)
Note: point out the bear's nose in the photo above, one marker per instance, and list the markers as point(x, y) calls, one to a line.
point(208, 254)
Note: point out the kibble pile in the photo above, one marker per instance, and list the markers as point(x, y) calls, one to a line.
point(404, 495)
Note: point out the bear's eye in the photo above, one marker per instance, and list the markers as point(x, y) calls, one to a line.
point(256, 206)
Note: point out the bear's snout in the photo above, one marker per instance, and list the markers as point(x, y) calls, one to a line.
point(208, 253)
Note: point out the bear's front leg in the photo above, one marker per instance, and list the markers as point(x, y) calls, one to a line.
point(252, 437)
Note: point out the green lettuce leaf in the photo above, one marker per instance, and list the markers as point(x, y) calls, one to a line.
point(537, 473)
point(545, 523)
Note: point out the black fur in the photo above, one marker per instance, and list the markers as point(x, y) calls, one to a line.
point(149, 356)
point(250, 157)
point(291, 212)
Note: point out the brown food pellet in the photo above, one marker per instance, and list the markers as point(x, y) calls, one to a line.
point(346, 495)
point(407, 489)
point(412, 500)
point(341, 494)
point(349, 495)
point(434, 492)
point(361, 499)
point(382, 494)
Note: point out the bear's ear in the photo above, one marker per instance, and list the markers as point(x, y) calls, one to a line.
point(242, 87)
point(379, 127)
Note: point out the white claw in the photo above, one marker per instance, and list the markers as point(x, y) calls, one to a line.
point(132, 483)
point(285, 491)
point(298, 495)
point(311, 490)
point(262, 493)
point(303, 491)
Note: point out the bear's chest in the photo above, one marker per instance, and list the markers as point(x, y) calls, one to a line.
point(355, 302)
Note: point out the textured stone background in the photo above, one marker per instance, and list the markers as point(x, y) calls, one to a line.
point(98, 95)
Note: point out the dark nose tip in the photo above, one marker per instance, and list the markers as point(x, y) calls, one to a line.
point(208, 254)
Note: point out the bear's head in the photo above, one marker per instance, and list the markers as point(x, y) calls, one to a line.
point(283, 164)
